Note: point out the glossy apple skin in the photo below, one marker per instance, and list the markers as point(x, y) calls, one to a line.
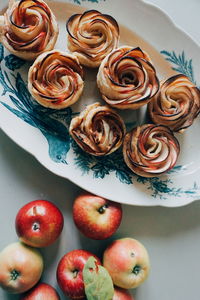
point(96, 217)
point(127, 261)
point(69, 273)
point(21, 268)
point(122, 294)
point(41, 291)
point(39, 223)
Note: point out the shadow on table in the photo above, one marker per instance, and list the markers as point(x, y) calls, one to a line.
point(7, 296)
point(161, 221)
point(19, 161)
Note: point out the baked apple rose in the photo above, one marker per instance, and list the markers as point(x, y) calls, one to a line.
point(55, 79)
point(177, 104)
point(91, 36)
point(127, 78)
point(98, 130)
point(150, 150)
point(28, 28)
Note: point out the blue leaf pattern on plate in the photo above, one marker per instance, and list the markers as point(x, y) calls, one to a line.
point(81, 1)
point(183, 65)
point(12, 62)
point(1, 52)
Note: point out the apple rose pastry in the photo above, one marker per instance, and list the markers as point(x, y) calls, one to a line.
point(91, 36)
point(177, 104)
point(150, 150)
point(127, 79)
point(55, 79)
point(98, 130)
point(28, 28)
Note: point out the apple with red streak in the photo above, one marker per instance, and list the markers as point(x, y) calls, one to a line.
point(69, 273)
point(127, 261)
point(41, 291)
point(122, 294)
point(96, 217)
point(20, 268)
point(39, 223)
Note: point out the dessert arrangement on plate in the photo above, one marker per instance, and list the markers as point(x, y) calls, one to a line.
point(126, 81)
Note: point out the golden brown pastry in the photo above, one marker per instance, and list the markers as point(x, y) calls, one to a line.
point(150, 150)
point(127, 79)
point(55, 79)
point(177, 104)
point(28, 28)
point(91, 36)
point(98, 130)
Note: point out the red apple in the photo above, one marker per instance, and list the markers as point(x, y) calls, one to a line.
point(69, 273)
point(96, 217)
point(20, 268)
point(121, 294)
point(127, 261)
point(41, 291)
point(39, 223)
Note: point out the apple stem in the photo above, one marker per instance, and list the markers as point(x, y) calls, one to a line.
point(103, 208)
point(14, 274)
point(75, 273)
point(136, 269)
point(36, 226)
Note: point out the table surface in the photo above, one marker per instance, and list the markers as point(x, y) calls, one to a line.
point(172, 236)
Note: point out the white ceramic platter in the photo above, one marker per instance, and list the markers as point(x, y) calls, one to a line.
point(44, 132)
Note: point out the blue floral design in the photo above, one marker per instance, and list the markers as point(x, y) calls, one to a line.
point(181, 64)
point(1, 53)
point(163, 188)
point(102, 166)
point(81, 1)
point(54, 126)
point(12, 62)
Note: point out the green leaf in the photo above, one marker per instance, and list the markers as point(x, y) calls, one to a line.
point(97, 281)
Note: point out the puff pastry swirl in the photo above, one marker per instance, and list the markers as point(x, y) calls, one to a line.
point(55, 79)
point(28, 28)
point(127, 78)
point(98, 130)
point(91, 36)
point(150, 150)
point(177, 104)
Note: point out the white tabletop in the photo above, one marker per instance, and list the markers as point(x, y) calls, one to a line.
point(172, 236)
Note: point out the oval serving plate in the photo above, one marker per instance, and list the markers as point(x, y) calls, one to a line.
point(44, 132)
